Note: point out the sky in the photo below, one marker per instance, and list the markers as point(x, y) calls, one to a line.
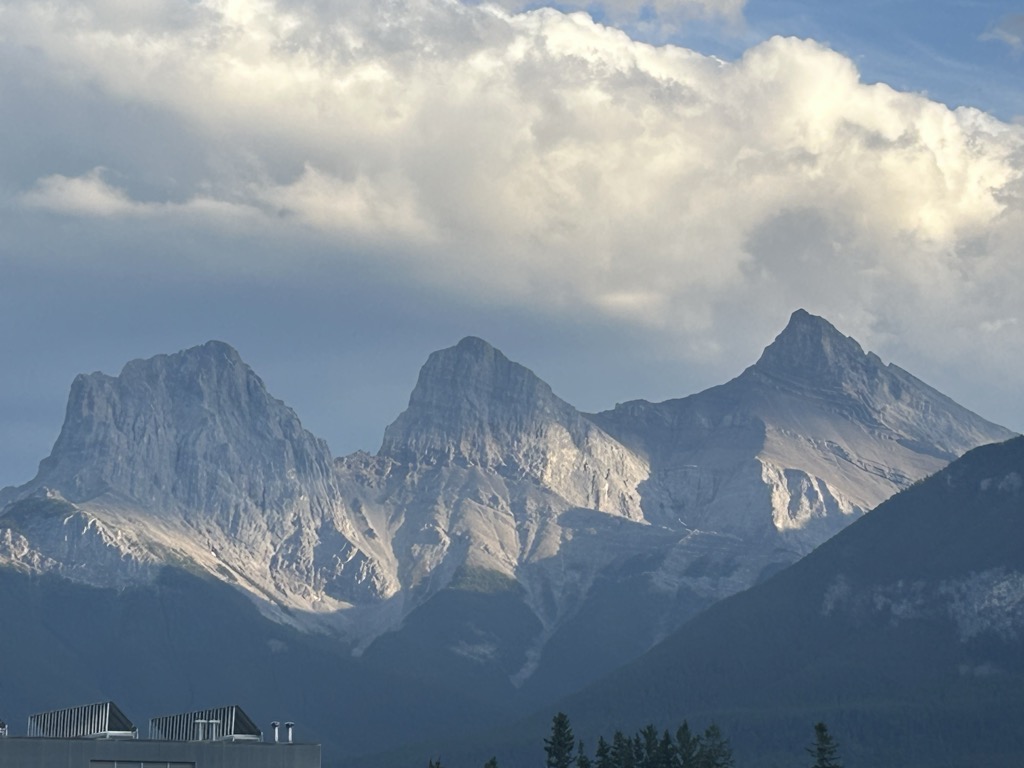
point(630, 198)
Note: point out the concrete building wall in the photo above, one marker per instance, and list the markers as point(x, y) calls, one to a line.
point(102, 753)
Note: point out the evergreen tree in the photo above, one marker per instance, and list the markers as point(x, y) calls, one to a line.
point(492, 763)
point(687, 747)
point(648, 740)
point(622, 751)
point(559, 747)
point(434, 763)
point(714, 751)
point(825, 750)
point(666, 755)
point(582, 761)
point(603, 755)
point(639, 755)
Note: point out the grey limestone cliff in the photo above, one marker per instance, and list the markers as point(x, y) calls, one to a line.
point(473, 407)
point(814, 434)
point(191, 462)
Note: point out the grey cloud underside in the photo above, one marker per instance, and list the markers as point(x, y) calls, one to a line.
point(186, 461)
point(547, 162)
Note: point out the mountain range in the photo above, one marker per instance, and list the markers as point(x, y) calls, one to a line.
point(501, 548)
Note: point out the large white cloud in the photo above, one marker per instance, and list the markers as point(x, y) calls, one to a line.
point(546, 161)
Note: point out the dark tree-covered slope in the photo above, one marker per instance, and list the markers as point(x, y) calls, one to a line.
point(905, 633)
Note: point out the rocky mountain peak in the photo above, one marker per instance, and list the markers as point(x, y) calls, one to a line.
point(811, 350)
point(187, 459)
point(196, 428)
point(469, 402)
point(813, 362)
point(481, 375)
point(213, 359)
point(473, 407)
point(475, 346)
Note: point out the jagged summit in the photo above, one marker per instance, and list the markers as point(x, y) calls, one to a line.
point(810, 350)
point(216, 358)
point(473, 407)
point(187, 459)
point(474, 345)
point(480, 374)
point(196, 428)
point(812, 365)
point(827, 428)
point(470, 402)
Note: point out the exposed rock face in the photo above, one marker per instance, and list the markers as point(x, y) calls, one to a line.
point(195, 430)
point(657, 509)
point(195, 463)
point(478, 474)
point(814, 434)
point(813, 361)
point(44, 533)
point(473, 407)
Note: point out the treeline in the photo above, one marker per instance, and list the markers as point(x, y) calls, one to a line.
point(649, 748)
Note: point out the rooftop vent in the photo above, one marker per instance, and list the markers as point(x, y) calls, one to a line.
point(221, 724)
point(3, 729)
point(93, 721)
